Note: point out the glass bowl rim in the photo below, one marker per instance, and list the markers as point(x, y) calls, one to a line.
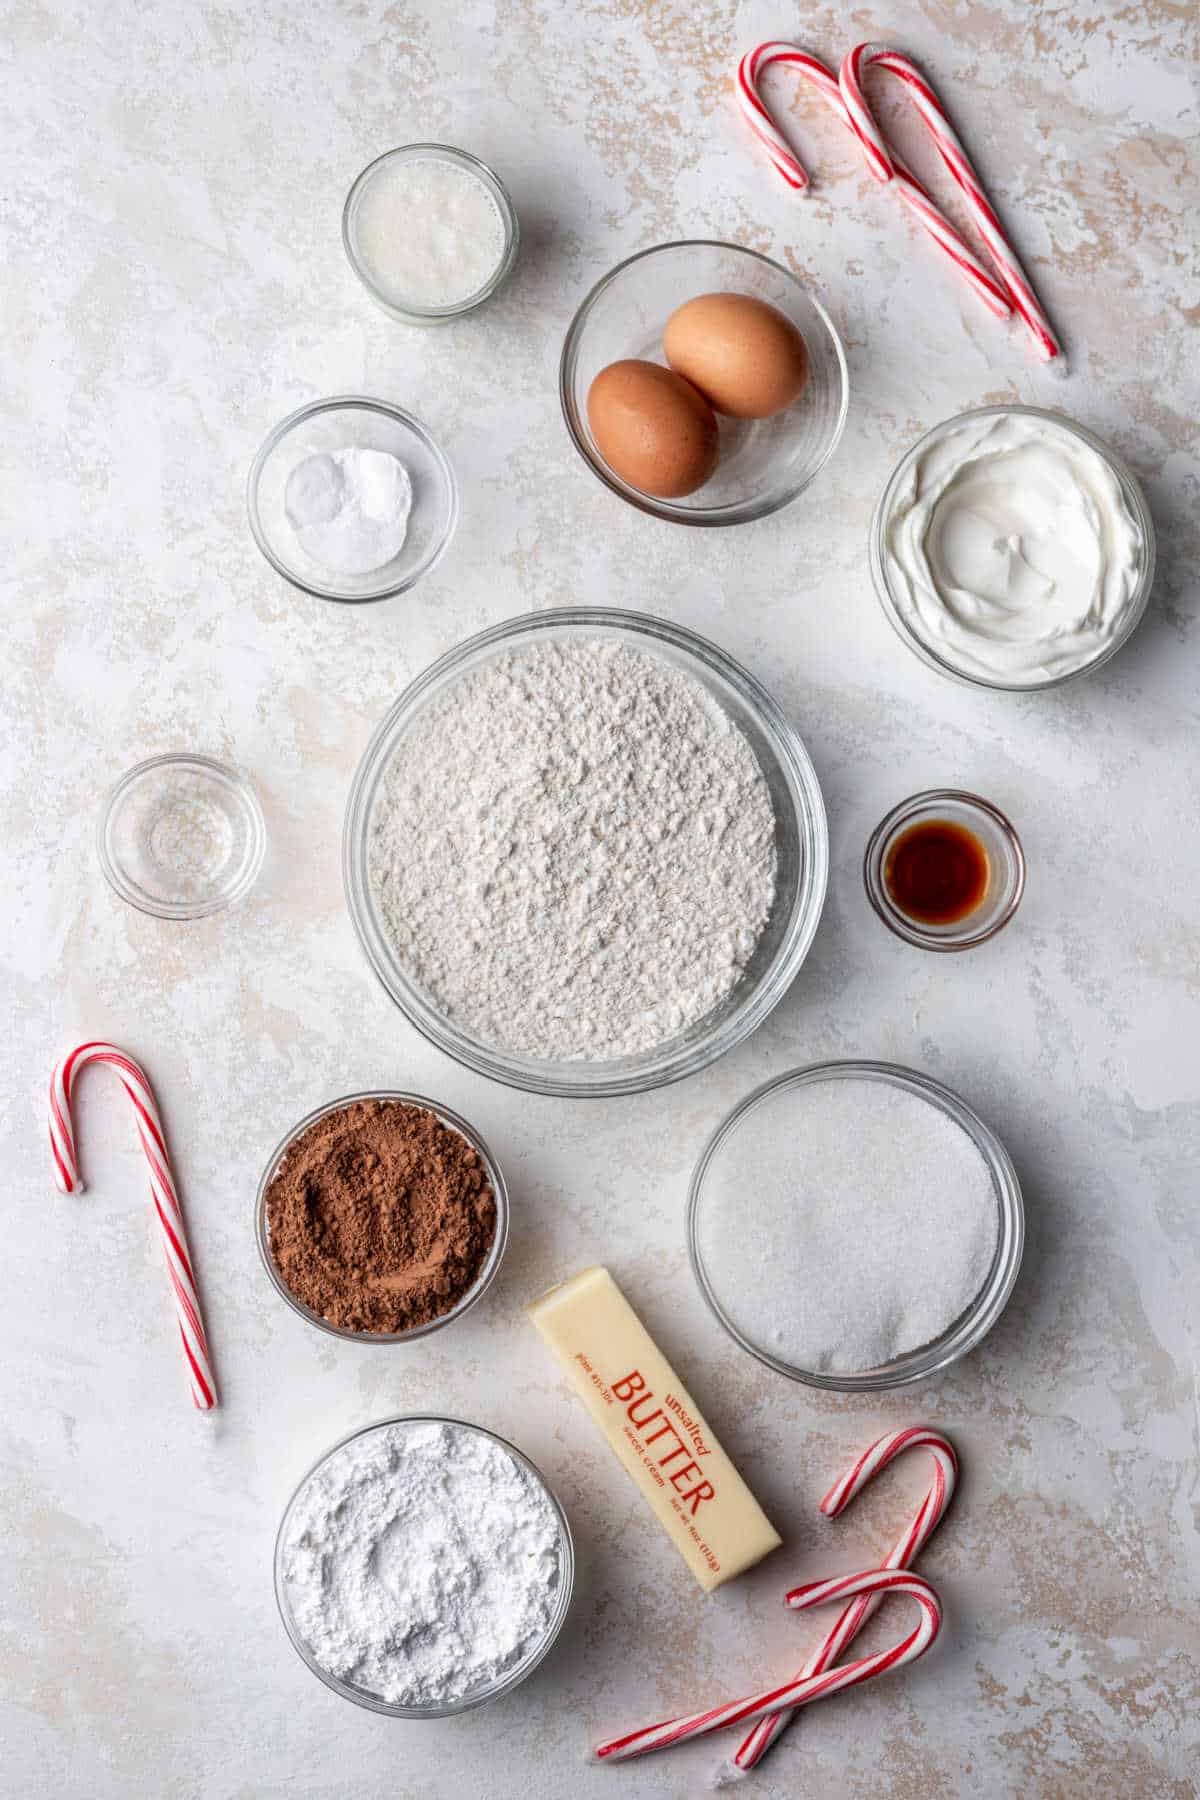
point(1134, 495)
point(409, 312)
point(571, 1079)
point(887, 828)
point(184, 909)
point(491, 1263)
point(341, 403)
point(468, 1702)
point(973, 1325)
point(743, 513)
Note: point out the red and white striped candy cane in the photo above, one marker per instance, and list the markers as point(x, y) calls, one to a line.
point(808, 1688)
point(761, 121)
point(902, 1555)
point(162, 1188)
point(884, 166)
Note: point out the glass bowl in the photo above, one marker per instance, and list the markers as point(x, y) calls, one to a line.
point(182, 837)
point(1006, 868)
point(343, 422)
point(973, 1325)
point(512, 1677)
point(801, 841)
point(483, 1280)
point(900, 614)
point(764, 463)
point(391, 301)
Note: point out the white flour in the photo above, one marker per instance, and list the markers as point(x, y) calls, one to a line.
point(421, 1562)
point(574, 851)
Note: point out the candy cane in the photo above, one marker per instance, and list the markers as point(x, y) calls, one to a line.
point(902, 1555)
point(755, 64)
point(808, 1688)
point(162, 1188)
point(884, 166)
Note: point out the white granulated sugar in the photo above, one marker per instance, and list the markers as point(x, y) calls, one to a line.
point(349, 508)
point(429, 232)
point(422, 1562)
point(845, 1222)
point(574, 851)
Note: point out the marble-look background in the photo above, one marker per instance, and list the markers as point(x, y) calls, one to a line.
point(174, 283)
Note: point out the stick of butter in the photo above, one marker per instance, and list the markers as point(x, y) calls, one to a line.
point(655, 1427)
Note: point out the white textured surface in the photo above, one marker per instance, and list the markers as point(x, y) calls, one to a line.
point(174, 284)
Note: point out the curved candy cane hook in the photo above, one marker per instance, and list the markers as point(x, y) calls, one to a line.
point(903, 1553)
point(755, 64)
point(872, 1583)
point(885, 166)
point(162, 1191)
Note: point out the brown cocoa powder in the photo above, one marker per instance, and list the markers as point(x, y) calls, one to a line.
point(380, 1217)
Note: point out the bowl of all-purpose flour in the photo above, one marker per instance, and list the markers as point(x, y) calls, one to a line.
point(855, 1226)
point(585, 852)
point(352, 499)
point(423, 1567)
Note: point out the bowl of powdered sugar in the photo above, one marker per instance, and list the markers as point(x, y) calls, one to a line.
point(423, 1567)
point(855, 1226)
point(586, 853)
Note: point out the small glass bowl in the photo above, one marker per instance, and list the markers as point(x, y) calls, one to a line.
point(182, 837)
point(1006, 868)
point(512, 1677)
point(343, 422)
point(898, 613)
point(801, 843)
point(764, 463)
point(483, 1280)
point(410, 312)
point(972, 1327)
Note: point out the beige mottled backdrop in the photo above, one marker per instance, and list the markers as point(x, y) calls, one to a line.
point(174, 283)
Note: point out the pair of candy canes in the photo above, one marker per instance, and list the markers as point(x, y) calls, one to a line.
point(1005, 288)
point(771, 1710)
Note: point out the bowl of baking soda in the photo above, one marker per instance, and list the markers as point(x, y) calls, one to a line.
point(855, 1226)
point(423, 1567)
point(352, 499)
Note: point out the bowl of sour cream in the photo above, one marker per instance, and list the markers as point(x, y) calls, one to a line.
point(1013, 549)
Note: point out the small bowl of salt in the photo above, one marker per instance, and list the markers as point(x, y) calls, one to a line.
point(430, 231)
point(352, 499)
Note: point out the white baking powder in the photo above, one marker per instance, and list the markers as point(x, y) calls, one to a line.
point(421, 1562)
point(574, 851)
point(428, 232)
point(349, 508)
point(845, 1222)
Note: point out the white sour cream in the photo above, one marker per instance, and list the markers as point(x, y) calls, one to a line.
point(1010, 549)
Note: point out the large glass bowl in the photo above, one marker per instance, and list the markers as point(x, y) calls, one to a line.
point(968, 1330)
point(801, 842)
point(764, 463)
point(481, 1696)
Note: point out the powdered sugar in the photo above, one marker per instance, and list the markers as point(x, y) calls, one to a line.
point(844, 1222)
point(574, 851)
point(421, 1562)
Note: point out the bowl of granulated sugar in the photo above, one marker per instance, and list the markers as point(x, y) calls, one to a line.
point(855, 1225)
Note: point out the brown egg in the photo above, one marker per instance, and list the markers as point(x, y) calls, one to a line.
point(652, 428)
point(746, 357)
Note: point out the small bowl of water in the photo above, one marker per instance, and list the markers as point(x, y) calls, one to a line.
point(181, 837)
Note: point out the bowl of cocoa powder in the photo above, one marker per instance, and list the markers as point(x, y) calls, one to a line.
point(381, 1217)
